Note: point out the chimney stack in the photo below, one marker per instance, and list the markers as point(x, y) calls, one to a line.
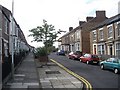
point(81, 22)
point(70, 29)
point(89, 18)
point(100, 14)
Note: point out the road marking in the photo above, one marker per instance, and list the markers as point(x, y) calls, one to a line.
point(88, 85)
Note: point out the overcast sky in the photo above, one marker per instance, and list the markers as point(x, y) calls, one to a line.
point(60, 13)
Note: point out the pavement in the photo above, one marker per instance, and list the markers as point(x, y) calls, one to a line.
point(33, 74)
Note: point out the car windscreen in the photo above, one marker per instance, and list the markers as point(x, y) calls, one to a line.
point(118, 60)
point(94, 56)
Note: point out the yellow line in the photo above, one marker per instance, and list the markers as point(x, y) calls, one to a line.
point(88, 85)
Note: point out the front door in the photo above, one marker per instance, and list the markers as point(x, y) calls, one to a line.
point(110, 49)
point(94, 49)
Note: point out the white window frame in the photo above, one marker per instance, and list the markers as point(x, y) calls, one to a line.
point(78, 34)
point(117, 49)
point(118, 29)
point(77, 46)
point(5, 47)
point(101, 51)
point(6, 25)
point(94, 35)
point(101, 39)
point(110, 31)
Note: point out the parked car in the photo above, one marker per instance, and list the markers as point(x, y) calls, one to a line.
point(111, 64)
point(90, 58)
point(75, 55)
point(60, 52)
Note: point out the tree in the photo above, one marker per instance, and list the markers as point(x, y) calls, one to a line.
point(45, 33)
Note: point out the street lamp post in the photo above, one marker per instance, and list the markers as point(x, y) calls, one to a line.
point(12, 39)
point(0, 33)
point(0, 47)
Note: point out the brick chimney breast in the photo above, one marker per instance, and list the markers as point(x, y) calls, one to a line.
point(81, 22)
point(89, 18)
point(100, 14)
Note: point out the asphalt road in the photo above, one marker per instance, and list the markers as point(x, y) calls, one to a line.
point(99, 79)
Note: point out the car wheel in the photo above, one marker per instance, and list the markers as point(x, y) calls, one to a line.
point(102, 66)
point(68, 57)
point(87, 62)
point(73, 58)
point(80, 60)
point(115, 70)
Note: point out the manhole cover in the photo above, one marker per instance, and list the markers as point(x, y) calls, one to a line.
point(52, 72)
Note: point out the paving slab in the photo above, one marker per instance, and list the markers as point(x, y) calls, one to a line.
point(33, 74)
point(51, 75)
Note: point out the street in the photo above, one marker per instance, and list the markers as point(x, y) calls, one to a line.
point(97, 77)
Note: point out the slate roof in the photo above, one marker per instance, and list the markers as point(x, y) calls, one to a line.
point(108, 21)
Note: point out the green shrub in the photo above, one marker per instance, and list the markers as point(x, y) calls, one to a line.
point(41, 51)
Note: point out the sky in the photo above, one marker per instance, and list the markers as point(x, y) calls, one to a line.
point(60, 13)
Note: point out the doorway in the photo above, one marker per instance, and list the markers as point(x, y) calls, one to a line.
point(110, 49)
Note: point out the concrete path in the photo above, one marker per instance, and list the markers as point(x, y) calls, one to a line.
point(25, 76)
point(52, 76)
point(33, 74)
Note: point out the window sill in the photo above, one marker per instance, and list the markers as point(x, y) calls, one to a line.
point(101, 39)
point(110, 37)
point(6, 33)
point(94, 40)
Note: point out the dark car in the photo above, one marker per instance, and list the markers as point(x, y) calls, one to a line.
point(75, 55)
point(60, 52)
point(90, 58)
point(111, 64)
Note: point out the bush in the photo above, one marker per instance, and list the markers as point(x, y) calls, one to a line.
point(41, 51)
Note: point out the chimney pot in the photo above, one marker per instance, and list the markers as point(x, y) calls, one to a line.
point(70, 28)
point(89, 18)
point(81, 22)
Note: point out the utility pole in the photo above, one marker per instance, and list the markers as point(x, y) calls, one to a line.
point(12, 39)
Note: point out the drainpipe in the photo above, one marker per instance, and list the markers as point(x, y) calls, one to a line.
point(114, 37)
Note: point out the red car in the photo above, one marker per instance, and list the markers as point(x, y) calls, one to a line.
point(75, 55)
point(89, 58)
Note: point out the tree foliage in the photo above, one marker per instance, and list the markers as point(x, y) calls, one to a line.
point(45, 33)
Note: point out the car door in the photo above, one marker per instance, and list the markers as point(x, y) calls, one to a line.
point(108, 63)
point(87, 57)
point(115, 64)
point(83, 58)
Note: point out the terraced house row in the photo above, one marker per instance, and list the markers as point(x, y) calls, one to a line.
point(97, 35)
point(105, 37)
point(10, 36)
